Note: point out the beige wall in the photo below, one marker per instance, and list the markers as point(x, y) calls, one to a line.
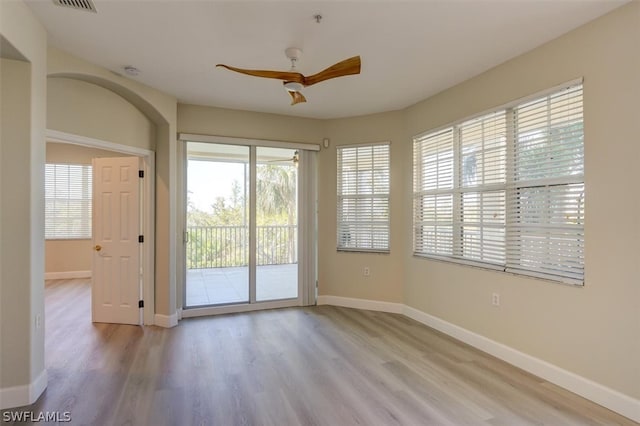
point(75, 154)
point(23, 103)
point(67, 256)
point(70, 255)
point(341, 273)
point(594, 330)
point(15, 83)
point(82, 108)
point(245, 124)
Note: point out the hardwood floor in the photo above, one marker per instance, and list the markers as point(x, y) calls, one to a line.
point(309, 366)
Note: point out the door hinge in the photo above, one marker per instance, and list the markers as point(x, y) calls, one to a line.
point(140, 303)
point(141, 238)
point(141, 173)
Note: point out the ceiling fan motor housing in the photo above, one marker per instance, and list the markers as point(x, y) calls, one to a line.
point(293, 53)
point(293, 86)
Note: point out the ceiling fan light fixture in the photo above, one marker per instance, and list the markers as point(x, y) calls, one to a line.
point(293, 86)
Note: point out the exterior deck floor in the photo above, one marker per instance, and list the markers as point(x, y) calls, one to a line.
point(217, 286)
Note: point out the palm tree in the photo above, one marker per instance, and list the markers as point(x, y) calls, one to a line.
point(277, 198)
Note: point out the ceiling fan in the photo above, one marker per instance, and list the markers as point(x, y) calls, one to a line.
point(294, 81)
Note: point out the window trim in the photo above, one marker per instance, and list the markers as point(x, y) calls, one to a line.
point(509, 185)
point(388, 197)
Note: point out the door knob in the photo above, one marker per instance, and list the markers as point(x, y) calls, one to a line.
point(98, 247)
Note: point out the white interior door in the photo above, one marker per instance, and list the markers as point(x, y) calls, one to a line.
point(116, 226)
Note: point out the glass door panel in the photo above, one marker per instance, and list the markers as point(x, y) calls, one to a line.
point(217, 248)
point(276, 224)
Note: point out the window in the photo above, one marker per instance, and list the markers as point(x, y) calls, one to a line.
point(506, 190)
point(68, 201)
point(546, 209)
point(363, 197)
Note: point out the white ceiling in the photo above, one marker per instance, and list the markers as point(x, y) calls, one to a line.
point(410, 49)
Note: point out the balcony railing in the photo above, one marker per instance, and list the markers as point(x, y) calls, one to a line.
point(228, 246)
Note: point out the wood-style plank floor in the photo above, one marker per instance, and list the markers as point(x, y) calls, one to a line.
point(300, 366)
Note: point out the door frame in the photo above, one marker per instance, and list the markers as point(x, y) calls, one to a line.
point(147, 207)
point(308, 277)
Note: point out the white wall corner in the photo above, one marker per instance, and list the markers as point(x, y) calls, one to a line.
point(66, 275)
point(607, 397)
point(179, 313)
point(19, 396)
point(166, 321)
point(371, 305)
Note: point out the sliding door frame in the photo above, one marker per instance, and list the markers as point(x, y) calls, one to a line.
point(307, 240)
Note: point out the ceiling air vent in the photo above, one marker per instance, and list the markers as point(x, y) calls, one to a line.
point(77, 4)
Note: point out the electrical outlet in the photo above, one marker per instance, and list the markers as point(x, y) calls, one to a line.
point(495, 299)
point(366, 271)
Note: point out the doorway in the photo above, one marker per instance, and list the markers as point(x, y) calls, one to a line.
point(242, 228)
point(145, 159)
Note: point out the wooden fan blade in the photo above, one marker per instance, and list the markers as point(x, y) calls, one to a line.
point(297, 97)
point(347, 67)
point(278, 75)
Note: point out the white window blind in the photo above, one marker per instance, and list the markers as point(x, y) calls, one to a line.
point(68, 201)
point(546, 210)
point(506, 190)
point(363, 197)
point(433, 193)
point(482, 179)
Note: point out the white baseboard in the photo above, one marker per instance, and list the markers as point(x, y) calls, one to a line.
point(371, 305)
point(607, 397)
point(179, 313)
point(66, 275)
point(19, 396)
point(166, 321)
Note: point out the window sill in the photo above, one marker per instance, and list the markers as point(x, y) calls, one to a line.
point(573, 282)
point(364, 251)
point(69, 239)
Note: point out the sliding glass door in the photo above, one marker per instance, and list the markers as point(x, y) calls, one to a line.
point(276, 224)
point(242, 239)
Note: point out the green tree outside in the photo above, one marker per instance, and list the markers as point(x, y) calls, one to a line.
point(219, 238)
